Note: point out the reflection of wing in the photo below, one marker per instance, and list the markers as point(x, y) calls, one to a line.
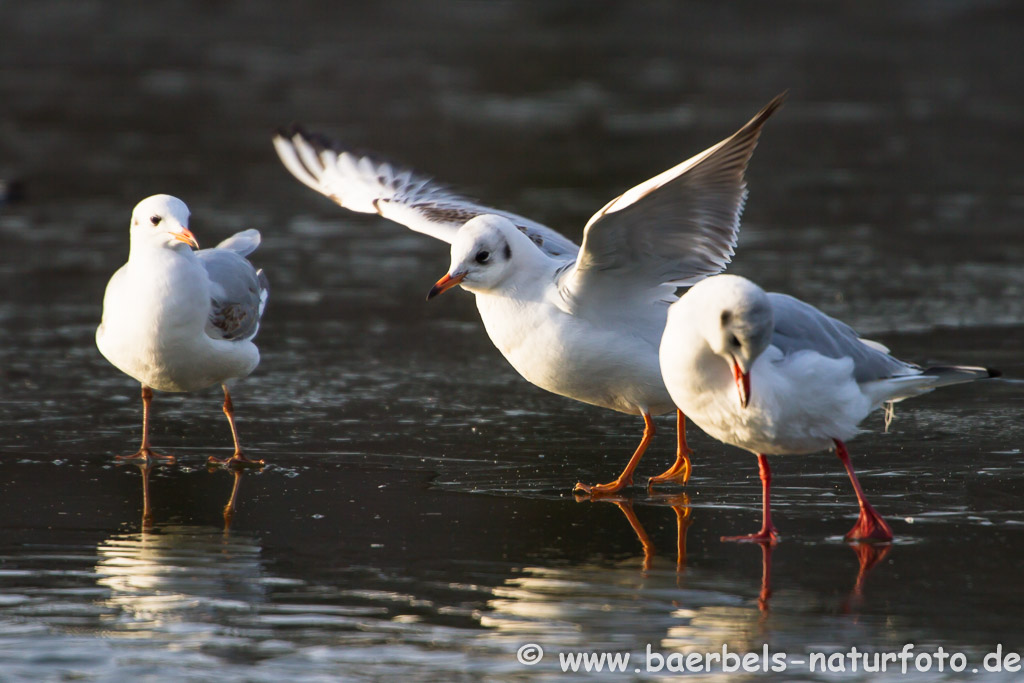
point(362, 184)
point(238, 291)
point(674, 229)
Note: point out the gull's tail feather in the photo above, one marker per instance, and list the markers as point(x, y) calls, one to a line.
point(956, 374)
point(242, 243)
point(895, 389)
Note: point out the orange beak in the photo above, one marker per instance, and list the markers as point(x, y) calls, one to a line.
point(185, 235)
point(444, 284)
point(742, 383)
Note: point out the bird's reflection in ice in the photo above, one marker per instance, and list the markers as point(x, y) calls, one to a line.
point(626, 506)
point(175, 573)
point(145, 467)
point(230, 506)
point(169, 575)
point(683, 609)
point(680, 504)
point(868, 556)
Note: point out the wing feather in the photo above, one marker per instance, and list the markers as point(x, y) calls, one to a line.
point(800, 326)
point(366, 185)
point(672, 230)
point(238, 292)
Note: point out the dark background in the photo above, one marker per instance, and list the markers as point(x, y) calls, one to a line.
point(415, 517)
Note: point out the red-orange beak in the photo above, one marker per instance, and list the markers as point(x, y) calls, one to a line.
point(444, 284)
point(742, 383)
point(185, 235)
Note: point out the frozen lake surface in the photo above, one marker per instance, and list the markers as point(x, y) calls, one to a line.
point(415, 517)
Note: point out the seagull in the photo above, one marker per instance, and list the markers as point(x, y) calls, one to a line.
point(579, 321)
point(181, 320)
point(776, 376)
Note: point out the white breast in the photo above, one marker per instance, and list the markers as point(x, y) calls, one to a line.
point(797, 405)
point(605, 366)
point(154, 318)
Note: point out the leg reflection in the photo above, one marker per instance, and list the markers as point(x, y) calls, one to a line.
point(680, 504)
point(229, 509)
point(868, 556)
point(684, 518)
point(766, 576)
point(627, 509)
point(145, 467)
point(147, 508)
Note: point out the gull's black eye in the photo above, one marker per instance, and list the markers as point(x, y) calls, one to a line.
point(734, 342)
point(155, 220)
point(483, 256)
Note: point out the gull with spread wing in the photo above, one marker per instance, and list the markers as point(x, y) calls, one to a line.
point(776, 376)
point(582, 322)
point(181, 320)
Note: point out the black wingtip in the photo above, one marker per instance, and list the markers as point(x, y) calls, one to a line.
point(772, 106)
point(993, 372)
point(293, 129)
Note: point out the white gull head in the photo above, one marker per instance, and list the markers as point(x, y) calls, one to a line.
point(161, 221)
point(734, 317)
point(487, 252)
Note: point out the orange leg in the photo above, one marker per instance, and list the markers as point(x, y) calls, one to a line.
point(626, 478)
point(145, 453)
point(768, 533)
point(680, 470)
point(870, 526)
point(239, 457)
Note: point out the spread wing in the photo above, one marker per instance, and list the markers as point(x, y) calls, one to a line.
point(238, 292)
point(673, 230)
point(363, 184)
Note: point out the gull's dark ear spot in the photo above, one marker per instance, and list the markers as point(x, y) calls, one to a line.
point(508, 251)
point(726, 318)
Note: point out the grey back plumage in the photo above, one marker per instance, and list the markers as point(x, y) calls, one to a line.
point(800, 326)
point(238, 292)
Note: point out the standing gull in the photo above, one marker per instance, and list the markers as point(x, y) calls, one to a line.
point(181, 320)
point(582, 322)
point(776, 376)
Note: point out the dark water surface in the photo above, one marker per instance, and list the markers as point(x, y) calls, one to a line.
point(415, 518)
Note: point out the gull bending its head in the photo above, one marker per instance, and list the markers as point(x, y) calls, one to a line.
point(776, 376)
